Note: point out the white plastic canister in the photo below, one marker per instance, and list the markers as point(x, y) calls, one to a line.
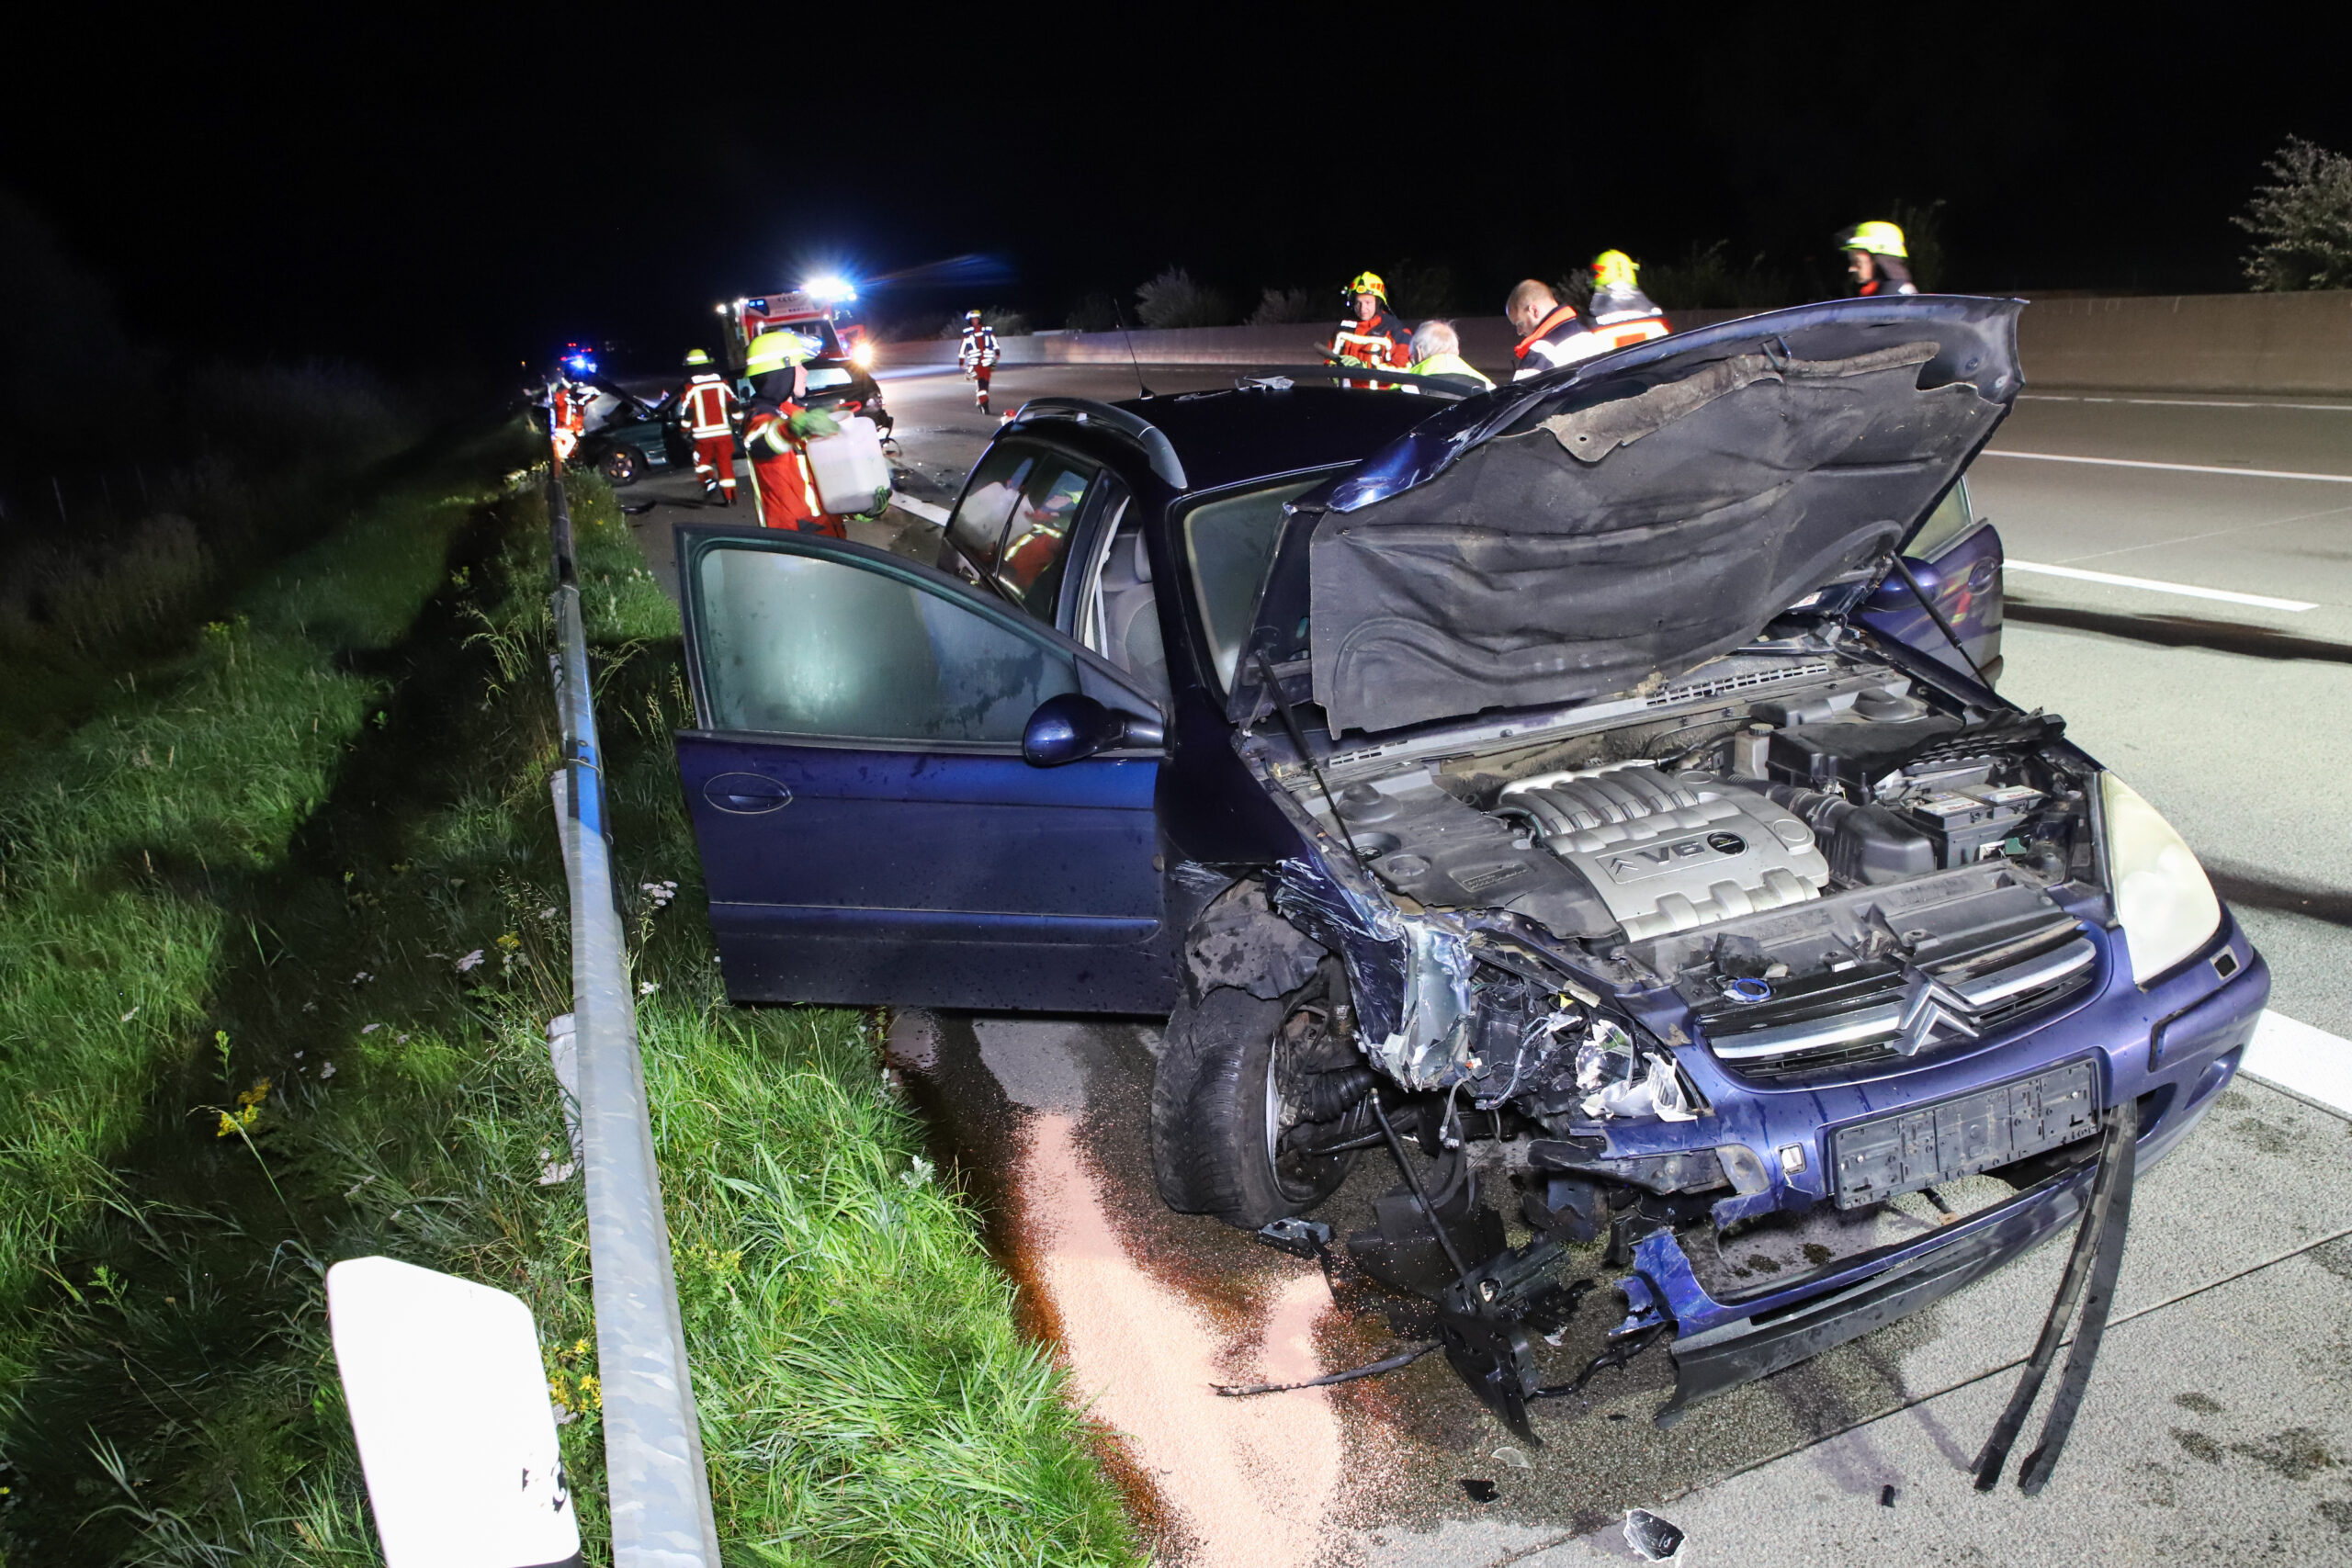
point(849, 467)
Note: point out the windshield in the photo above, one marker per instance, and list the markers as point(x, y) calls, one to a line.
point(1229, 543)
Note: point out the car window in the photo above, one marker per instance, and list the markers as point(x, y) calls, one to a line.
point(978, 524)
point(1944, 526)
point(1229, 543)
point(794, 645)
point(1036, 542)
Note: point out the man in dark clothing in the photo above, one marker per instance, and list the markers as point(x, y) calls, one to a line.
point(1877, 258)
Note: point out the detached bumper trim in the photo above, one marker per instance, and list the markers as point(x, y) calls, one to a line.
point(1720, 1359)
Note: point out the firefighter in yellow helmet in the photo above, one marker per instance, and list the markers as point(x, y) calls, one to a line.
point(1620, 313)
point(706, 411)
point(1372, 335)
point(1877, 259)
point(776, 431)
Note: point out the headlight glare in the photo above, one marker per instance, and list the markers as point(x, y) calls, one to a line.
point(2163, 899)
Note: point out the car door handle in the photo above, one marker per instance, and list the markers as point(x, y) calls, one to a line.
point(1985, 574)
point(746, 794)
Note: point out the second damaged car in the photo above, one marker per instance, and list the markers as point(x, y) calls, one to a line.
point(1540, 798)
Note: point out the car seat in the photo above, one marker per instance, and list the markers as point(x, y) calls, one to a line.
point(1131, 615)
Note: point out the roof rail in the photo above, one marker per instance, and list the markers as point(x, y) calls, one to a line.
point(1135, 427)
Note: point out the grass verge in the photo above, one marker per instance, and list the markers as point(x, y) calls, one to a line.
point(365, 1072)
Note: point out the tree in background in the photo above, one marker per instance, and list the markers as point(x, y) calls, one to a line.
point(1706, 278)
point(1175, 299)
point(1419, 289)
point(1289, 306)
point(1094, 313)
point(2301, 221)
point(1923, 236)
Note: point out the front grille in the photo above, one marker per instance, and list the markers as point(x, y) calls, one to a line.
point(1887, 1010)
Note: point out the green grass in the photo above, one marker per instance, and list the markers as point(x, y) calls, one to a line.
point(117, 840)
point(866, 1397)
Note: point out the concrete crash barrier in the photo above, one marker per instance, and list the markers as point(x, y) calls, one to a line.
point(2175, 342)
point(2193, 342)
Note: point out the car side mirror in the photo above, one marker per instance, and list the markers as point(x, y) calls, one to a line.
point(1073, 726)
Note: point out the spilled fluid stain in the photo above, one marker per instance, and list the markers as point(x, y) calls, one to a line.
point(1248, 1482)
point(1217, 1482)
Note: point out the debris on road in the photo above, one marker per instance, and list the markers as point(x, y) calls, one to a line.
point(1478, 1491)
point(1653, 1538)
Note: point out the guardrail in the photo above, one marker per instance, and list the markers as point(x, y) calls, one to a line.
point(659, 1489)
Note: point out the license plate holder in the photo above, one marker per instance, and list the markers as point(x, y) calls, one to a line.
point(1910, 1149)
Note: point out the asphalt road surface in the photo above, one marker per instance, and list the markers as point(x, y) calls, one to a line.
point(2219, 1427)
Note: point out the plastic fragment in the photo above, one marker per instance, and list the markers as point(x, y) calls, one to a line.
point(1478, 1491)
point(1886, 1497)
point(1512, 1459)
point(1652, 1539)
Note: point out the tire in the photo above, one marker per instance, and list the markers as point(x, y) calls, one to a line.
point(1218, 1113)
point(621, 465)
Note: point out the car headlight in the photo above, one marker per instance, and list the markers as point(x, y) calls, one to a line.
point(862, 356)
point(2163, 899)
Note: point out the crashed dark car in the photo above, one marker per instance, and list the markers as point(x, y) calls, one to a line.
point(1589, 795)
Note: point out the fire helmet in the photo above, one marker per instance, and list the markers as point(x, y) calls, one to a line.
point(1370, 283)
point(697, 356)
point(1881, 239)
point(776, 351)
point(1613, 269)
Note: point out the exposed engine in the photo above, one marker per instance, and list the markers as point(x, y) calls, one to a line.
point(1669, 852)
point(1858, 783)
point(1794, 864)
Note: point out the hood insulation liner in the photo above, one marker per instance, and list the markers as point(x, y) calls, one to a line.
point(1613, 535)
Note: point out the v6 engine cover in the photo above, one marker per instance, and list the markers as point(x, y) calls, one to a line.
point(1670, 852)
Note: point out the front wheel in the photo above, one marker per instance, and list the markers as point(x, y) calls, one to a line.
point(1247, 1096)
point(622, 465)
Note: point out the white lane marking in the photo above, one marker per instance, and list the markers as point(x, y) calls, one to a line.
point(922, 509)
point(2301, 1059)
point(2259, 601)
point(2181, 402)
point(2173, 467)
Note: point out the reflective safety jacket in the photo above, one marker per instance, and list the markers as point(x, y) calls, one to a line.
point(1454, 369)
point(1622, 316)
point(785, 489)
point(705, 405)
point(1560, 338)
point(979, 351)
point(1383, 341)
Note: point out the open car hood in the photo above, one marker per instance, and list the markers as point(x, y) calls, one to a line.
point(1583, 535)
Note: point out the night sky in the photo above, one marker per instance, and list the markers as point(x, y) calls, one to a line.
point(444, 187)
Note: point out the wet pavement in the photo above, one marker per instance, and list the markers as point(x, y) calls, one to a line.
point(2245, 1312)
point(2219, 1426)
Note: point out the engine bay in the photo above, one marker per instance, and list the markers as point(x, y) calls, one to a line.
point(1689, 819)
point(1795, 847)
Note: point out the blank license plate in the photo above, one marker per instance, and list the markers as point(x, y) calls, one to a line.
point(1911, 1149)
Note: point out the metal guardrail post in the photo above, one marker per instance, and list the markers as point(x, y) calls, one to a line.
point(654, 1475)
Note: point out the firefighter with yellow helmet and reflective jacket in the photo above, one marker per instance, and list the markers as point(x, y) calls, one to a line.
point(776, 431)
point(1372, 335)
point(1621, 314)
point(1877, 258)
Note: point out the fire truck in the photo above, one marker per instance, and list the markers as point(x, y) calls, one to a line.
point(841, 371)
point(828, 317)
